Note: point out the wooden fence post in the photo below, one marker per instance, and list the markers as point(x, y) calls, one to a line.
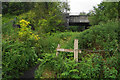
point(76, 50)
point(57, 48)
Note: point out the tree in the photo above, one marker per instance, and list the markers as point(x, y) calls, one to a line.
point(83, 13)
point(46, 15)
point(16, 8)
point(105, 11)
point(50, 16)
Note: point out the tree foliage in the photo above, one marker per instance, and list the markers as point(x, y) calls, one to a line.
point(50, 16)
point(104, 12)
point(45, 16)
point(16, 8)
point(83, 13)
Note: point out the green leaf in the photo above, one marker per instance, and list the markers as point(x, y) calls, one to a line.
point(74, 70)
point(65, 74)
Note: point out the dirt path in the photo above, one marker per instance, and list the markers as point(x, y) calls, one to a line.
point(30, 73)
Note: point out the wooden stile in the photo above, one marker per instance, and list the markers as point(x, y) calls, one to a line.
point(76, 51)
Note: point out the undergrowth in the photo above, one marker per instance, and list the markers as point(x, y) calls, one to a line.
point(20, 53)
point(93, 65)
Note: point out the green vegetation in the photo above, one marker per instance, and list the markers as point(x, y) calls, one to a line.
point(18, 53)
point(103, 12)
point(92, 65)
point(103, 36)
point(17, 57)
point(23, 48)
point(76, 28)
point(16, 8)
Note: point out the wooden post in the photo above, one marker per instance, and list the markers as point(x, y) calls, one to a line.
point(76, 50)
point(57, 48)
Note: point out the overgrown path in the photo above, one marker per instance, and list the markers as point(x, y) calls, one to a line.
point(30, 73)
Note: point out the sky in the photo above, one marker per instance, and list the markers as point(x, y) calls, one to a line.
point(77, 6)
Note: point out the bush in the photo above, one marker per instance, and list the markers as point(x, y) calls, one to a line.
point(48, 43)
point(76, 28)
point(56, 64)
point(7, 24)
point(17, 56)
point(103, 37)
point(19, 51)
point(91, 66)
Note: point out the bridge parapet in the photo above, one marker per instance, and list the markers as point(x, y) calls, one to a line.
point(78, 19)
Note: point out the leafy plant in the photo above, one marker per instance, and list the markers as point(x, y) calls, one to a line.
point(25, 32)
point(17, 57)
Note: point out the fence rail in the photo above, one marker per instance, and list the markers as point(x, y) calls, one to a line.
point(67, 50)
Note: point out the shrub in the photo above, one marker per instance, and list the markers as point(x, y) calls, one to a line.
point(103, 37)
point(48, 43)
point(25, 32)
point(19, 51)
point(91, 66)
point(56, 64)
point(76, 28)
point(7, 25)
point(17, 56)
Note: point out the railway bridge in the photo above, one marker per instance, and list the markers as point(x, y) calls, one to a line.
point(77, 20)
